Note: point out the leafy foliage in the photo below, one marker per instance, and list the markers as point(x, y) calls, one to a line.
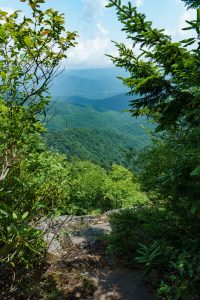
point(169, 169)
point(192, 3)
point(21, 243)
point(31, 50)
point(165, 75)
point(147, 236)
point(47, 183)
point(149, 255)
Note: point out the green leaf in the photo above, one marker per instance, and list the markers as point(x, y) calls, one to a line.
point(3, 75)
point(28, 41)
point(188, 44)
point(14, 215)
point(188, 40)
point(196, 171)
point(12, 264)
point(25, 215)
point(3, 212)
point(187, 28)
point(2, 32)
point(198, 14)
point(194, 208)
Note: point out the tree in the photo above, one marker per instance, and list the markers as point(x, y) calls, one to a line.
point(165, 74)
point(192, 3)
point(31, 50)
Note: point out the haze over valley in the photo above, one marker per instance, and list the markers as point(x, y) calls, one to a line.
point(89, 117)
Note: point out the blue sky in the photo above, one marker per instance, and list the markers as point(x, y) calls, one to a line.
point(97, 25)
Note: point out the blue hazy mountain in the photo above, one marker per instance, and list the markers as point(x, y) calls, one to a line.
point(116, 103)
point(88, 83)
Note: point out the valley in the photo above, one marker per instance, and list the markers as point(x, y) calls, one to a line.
point(100, 130)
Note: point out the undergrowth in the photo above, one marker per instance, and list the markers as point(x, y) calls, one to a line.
point(159, 240)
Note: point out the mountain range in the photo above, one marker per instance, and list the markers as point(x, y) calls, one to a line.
point(89, 83)
point(87, 124)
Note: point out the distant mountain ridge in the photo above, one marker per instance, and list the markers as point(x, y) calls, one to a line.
point(88, 83)
point(115, 103)
point(73, 116)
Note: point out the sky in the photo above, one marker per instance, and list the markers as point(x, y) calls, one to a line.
point(98, 26)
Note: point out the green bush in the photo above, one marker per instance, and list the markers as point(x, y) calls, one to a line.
point(85, 180)
point(94, 189)
point(22, 245)
point(46, 178)
point(159, 240)
point(47, 183)
point(39, 183)
point(121, 189)
point(149, 256)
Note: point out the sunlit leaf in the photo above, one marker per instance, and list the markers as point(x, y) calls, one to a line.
point(14, 215)
point(3, 75)
point(28, 41)
point(25, 215)
point(196, 171)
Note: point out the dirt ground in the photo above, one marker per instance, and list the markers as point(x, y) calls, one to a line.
point(80, 266)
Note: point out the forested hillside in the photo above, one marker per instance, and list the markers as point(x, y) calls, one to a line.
point(64, 115)
point(95, 130)
point(104, 147)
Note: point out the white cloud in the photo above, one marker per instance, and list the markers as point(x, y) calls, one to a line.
point(94, 40)
point(92, 9)
point(139, 3)
point(91, 51)
point(177, 33)
point(102, 30)
point(188, 15)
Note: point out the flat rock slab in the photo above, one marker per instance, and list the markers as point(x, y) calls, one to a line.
point(113, 281)
point(87, 236)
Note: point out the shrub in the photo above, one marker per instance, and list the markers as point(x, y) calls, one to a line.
point(158, 239)
point(86, 180)
point(47, 183)
point(22, 245)
point(39, 183)
point(121, 189)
